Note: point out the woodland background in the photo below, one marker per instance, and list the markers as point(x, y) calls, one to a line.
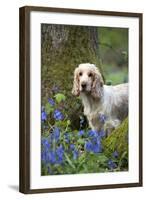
point(64, 47)
point(68, 144)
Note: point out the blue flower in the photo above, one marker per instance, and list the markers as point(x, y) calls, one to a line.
point(58, 115)
point(94, 145)
point(60, 151)
point(102, 133)
point(97, 147)
point(92, 133)
point(56, 133)
point(95, 138)
point(111, 164)
point(52, 157)
point(60, 154)
point(43, 116)
point(67, 137)
point(45, 143)
point(45, 153)
point(115, 154)
point(59, 160)
point(44, 156)
point(72, 146)
point(102, 118)
point(81, 132)
point(51, 102)
point(88, 146)
point(75, 154)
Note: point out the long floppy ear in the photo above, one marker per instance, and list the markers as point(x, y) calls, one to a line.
point(97, 86)
point(75, 90)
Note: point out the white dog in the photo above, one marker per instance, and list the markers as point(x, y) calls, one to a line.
point(101, 102)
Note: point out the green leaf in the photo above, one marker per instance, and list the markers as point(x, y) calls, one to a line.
point(68, 122)
point(48, 108)
point(82, 160)
point(81, 141)
point(60, 97)
point(69, 161)
point(102, 158)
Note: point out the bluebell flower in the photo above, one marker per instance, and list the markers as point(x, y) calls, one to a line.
point(59, 160)
point(95, 138)
point(92, 133)
point(102, 118)
point(60, 154)
point(56, 133)
point(67, 137)
point(115, 154)
point(72, 146)
point(60, 151)
point(102, 133)
point(45, 143)
point(81, 132)
point(58, 115)
point(51, 102)
point(75, 154)
point(97, 147)
point(88, 146)
point(111, 164)
point(52, 157)
point(43, 116)
point(44, 157)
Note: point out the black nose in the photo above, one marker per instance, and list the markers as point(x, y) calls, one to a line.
point(83, 85)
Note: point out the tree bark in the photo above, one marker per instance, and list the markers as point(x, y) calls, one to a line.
point(63, 47)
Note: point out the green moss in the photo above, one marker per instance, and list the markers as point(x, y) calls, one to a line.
point(117, 140)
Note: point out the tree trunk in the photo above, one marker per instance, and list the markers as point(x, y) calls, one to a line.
point(63, 48)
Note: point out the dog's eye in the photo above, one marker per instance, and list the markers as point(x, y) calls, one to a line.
point(90, 74)
point(80, 74)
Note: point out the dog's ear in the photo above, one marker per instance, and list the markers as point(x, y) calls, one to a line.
point(75, 90)
point(97, 85)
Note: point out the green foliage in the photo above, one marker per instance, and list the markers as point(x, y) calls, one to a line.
point(112, 50)
point(68, 151)
point(59, 97)
point(114, 54)
point(48, 108)
point(115, 76)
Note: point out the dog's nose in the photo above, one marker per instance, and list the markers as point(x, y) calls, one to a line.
point(83, 85)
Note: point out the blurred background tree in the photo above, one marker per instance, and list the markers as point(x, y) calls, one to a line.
point(113, 46)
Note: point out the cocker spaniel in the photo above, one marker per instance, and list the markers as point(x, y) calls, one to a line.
point(101, 102)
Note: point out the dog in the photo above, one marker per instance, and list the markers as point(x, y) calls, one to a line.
point(105, 106)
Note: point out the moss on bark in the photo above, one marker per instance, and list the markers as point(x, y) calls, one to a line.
point(117, 140)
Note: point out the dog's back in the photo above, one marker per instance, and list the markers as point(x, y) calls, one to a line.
point(116, 100)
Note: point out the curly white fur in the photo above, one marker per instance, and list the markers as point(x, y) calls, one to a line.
point(99, 99)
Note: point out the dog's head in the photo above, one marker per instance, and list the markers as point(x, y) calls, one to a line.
point(87, 79)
